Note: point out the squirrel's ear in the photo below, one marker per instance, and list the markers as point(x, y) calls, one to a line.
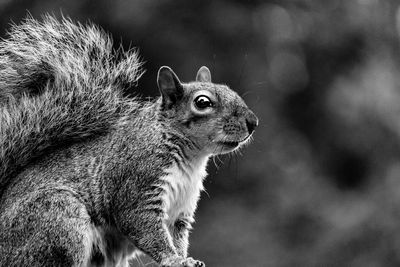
point(203, 75)
point(170, 87)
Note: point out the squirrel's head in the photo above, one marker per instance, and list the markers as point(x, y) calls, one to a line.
point(211, 115)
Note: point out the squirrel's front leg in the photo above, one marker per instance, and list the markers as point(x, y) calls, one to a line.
point(180, 233)
point(146, 227)
point(150, 235)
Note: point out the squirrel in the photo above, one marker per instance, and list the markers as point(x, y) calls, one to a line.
point(90, 176)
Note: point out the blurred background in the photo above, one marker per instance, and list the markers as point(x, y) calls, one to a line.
point(320, 184)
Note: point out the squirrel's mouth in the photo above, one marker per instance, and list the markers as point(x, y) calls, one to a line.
point(226, 147)
point(231, 144)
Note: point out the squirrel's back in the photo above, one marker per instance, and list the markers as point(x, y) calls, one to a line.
point(60, 83)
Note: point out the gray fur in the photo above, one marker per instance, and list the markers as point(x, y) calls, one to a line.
point(82, 85)
point(87, 176)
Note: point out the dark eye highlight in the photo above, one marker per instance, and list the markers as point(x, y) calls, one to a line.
point(203, 102)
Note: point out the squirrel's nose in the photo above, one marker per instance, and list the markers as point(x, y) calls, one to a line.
point(251, 122)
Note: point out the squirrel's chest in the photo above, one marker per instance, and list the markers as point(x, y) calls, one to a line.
point(182, 189)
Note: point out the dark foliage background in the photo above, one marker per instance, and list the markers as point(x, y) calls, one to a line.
point(320, 185)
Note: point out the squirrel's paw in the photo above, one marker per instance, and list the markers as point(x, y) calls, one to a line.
point(179, 262)
point(190, 262)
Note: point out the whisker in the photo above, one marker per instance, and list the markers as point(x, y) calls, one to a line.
point(220, 161)
point(216, 165)
point(207, 193)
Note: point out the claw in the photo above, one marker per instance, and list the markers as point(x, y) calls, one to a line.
point(190, 262)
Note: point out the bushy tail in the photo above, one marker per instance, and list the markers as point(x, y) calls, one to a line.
point(60, 83)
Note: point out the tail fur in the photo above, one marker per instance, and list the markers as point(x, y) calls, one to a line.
point(60, 83)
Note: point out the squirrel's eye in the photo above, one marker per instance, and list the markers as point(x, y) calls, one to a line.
point(203, 102)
